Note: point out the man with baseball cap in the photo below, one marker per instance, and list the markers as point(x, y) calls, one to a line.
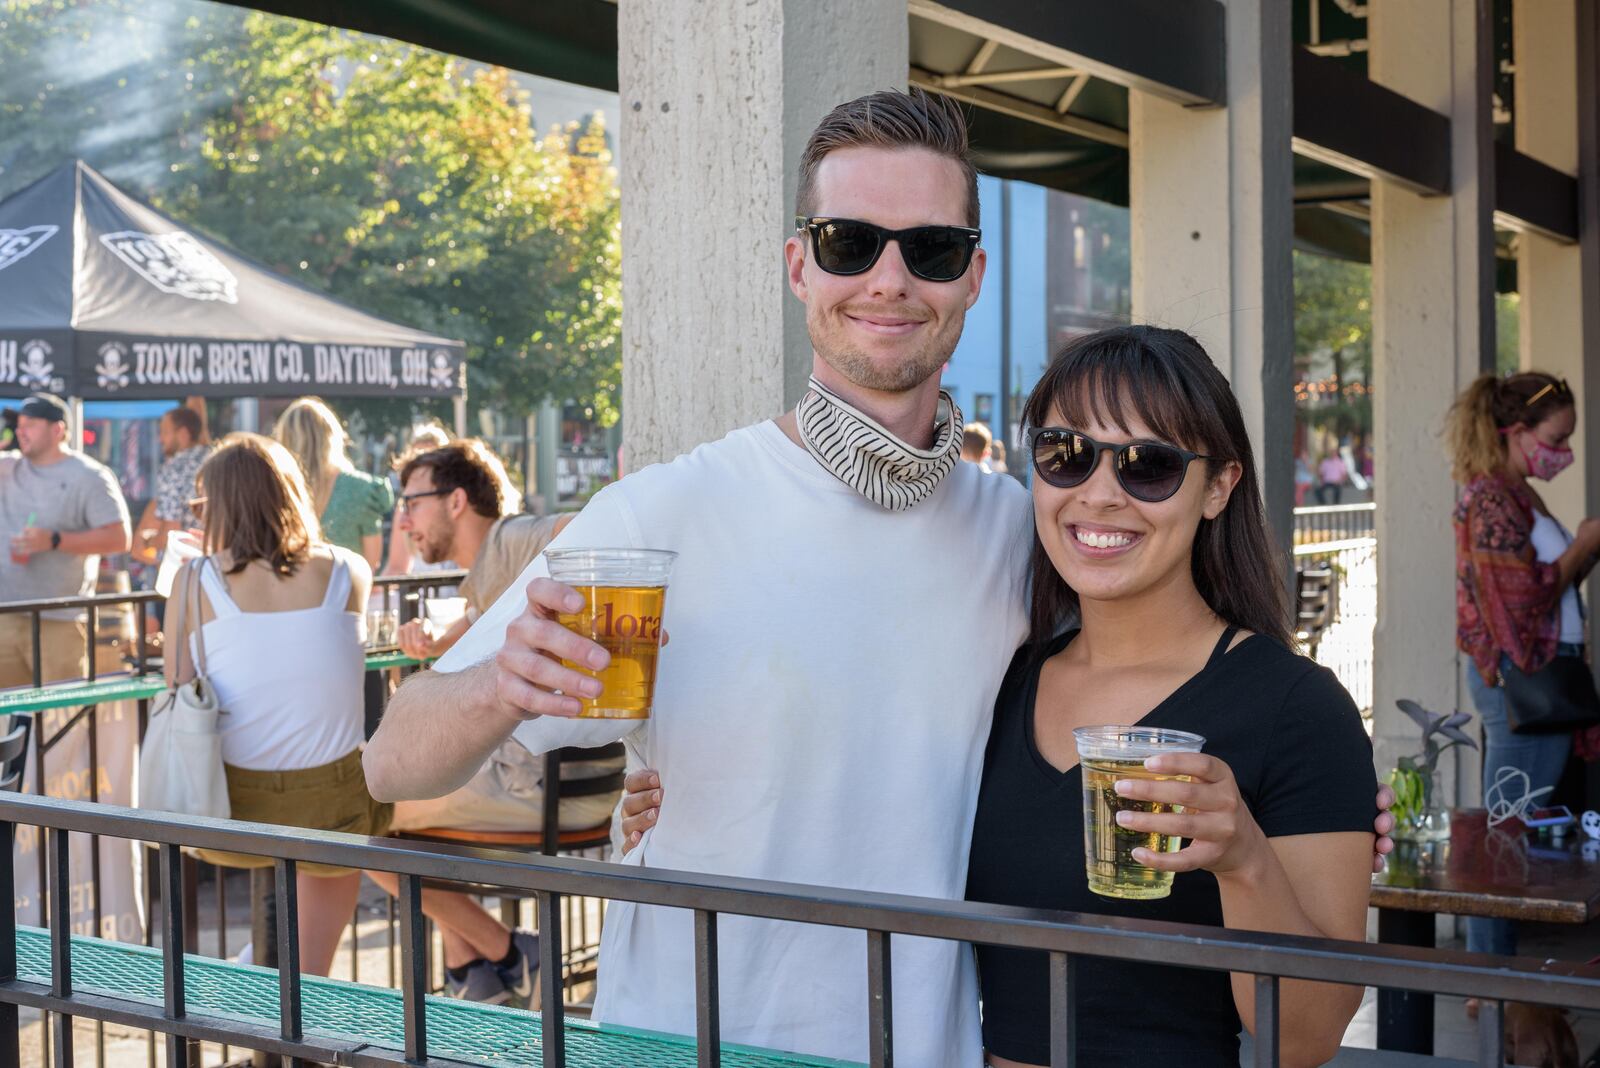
point(59, 512)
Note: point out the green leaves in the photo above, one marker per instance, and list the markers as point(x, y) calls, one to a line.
point(1434, 727)
point(401, 180)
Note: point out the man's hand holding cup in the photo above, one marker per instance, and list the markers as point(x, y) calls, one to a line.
point(530, 679)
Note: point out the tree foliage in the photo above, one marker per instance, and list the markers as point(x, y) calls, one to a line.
point(400, 180)
point(1333, 320)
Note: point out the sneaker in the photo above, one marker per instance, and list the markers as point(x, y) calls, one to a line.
point(519, 976)
point(482, 984)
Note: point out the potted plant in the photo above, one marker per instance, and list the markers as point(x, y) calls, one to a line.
point(1420, 814)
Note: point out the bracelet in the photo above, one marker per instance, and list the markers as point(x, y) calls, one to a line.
point(55, 539)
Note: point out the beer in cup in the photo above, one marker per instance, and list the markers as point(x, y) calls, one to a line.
point(624, 592)
point(1105, 756)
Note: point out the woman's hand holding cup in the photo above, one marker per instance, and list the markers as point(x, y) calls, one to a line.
point(1222, 835)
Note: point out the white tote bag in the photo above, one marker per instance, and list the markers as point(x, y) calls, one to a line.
point(180, 761)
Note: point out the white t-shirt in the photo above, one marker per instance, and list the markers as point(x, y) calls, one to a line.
point(820, 717)
point(1550, 539)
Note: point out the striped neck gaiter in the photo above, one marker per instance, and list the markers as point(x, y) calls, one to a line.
point(869, 459)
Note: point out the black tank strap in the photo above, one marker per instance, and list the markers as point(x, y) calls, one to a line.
point(1222, 645)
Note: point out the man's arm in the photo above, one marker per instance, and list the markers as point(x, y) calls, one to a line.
point(441, 725)
point(437, 731)
point(102, 541)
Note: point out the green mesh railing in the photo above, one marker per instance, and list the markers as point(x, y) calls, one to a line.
point(77, 694)
point(351, 1012)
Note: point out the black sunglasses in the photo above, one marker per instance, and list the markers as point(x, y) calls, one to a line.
point(850, 246)
point(407, 498)
point(1149, 471)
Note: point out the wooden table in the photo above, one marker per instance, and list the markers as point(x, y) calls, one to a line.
point(1501, 872)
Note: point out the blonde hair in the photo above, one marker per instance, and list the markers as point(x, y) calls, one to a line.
point(425, 436)
point(257, 506)
point(1492, 405)
point(313, 434)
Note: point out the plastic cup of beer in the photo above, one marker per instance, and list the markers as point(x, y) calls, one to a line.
point(624, 592)
point(1106, 756)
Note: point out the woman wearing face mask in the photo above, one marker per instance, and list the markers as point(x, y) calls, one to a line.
point(1517, 569)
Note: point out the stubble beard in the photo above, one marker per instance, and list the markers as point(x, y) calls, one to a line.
point(861, 370)
point(435, 545)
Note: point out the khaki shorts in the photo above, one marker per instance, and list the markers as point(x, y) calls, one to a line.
point(332, 797)
point(61, 649)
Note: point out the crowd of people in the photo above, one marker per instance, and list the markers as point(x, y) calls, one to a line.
point(281, 537)
point(840, 705)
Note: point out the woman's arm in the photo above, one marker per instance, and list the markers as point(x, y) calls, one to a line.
point(1306, 884)
point(399, 562)
point(360, 583)
point(1326, 896)
point(1576, 563)
point(372, 553)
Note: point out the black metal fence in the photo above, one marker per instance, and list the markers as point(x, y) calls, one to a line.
point(1334, 523)
point(1068, 938)
point(93, 606)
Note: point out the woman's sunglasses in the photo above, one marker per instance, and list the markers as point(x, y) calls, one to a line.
point(849, 246)
point(1148, 471)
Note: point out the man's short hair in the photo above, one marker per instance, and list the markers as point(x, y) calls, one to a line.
point(469, 465)
point(187, 419)
point(975, 440)
point(890, 119)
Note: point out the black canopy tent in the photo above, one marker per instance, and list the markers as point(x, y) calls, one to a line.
point(103, 297)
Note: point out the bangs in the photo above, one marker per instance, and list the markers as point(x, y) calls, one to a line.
point(1110, 379)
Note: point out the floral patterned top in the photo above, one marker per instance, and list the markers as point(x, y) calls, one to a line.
point(1506, 600)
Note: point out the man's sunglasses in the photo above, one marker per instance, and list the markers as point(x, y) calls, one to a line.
point(1148, 471)
point(849, 246)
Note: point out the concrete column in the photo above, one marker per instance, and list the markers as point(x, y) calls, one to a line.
point(1431, 299)
point(1548, 271)
point(1588, 98)
point(1212, 194)
point(547, 453)
point(717, 101)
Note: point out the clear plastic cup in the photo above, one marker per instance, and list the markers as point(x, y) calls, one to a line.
point(1108, 755)
point(624, 597)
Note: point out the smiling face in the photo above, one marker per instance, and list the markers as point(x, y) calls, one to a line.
point(885, 329)
point(1110, 546)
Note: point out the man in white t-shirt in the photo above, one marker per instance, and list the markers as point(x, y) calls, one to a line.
point(822, 670)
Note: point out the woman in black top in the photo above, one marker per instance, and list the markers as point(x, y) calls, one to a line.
point(1160, 562)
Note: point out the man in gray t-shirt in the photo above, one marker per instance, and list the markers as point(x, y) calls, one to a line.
point(59, 512)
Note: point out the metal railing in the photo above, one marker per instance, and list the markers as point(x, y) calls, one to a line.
point(92, 605)
point(1334, 523)
point(1067, 938)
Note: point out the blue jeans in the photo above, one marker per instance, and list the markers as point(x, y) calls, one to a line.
point(1541, 756)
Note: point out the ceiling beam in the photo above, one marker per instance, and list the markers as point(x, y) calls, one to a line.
point(1172, 48)
point(1005, 77)
point(1353, 123)
point(1079, 83)
point(1022, 109)
point(573, 41)
point(1529, 194)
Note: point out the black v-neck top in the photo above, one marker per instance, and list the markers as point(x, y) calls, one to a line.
point(1298, 749)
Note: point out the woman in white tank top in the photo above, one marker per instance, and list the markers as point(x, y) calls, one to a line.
point(281, 618)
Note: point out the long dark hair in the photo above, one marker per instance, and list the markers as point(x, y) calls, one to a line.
point(1165, 379)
